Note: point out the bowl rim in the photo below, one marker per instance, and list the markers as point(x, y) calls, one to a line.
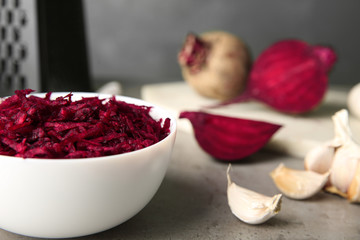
point(133, 100)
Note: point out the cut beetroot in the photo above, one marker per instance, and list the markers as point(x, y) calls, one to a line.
point(34, 127)
point(229, 138)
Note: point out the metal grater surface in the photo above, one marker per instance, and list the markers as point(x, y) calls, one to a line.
point(19, 55)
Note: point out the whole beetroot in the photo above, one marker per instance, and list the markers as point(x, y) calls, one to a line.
point(215, 64)
point(290, 76)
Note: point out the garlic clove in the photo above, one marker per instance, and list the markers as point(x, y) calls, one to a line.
point(341, 126)
point(249, 206)
point(298, 184)
point(346, 156)
point(353, 193)
point(320, 158)
point(343, 168)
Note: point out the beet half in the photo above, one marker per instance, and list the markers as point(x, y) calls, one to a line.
point(229, 138)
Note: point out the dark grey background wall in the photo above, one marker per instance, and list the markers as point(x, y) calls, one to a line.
point(137, 40)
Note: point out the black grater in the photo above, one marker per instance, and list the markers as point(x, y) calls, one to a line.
point(43, 46)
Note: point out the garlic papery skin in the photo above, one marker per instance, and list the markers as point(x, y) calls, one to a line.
point(347, 156)
point(298, 184)
point(249, 206)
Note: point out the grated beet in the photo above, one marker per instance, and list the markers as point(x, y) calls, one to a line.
point(35, 127)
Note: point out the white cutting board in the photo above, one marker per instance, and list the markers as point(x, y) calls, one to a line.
point(297, 136)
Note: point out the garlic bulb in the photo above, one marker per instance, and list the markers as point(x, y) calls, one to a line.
point(345, 161)
point(346, 156)
point(353, 100)
point(249, 206)
point(298, 184)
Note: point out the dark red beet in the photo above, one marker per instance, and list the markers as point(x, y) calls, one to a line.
point(34, 127)
point(229, 138)
point(290, 76)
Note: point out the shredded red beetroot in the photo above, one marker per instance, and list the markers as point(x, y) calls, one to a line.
point(35, 127)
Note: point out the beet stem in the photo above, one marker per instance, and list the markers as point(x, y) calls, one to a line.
point(244, 97)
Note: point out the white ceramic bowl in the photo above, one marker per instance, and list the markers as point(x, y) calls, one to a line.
point(75, 197)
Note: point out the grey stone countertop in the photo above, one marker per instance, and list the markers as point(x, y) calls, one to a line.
point(191, 203)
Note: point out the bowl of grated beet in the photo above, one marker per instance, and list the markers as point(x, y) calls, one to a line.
point(74, 164)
